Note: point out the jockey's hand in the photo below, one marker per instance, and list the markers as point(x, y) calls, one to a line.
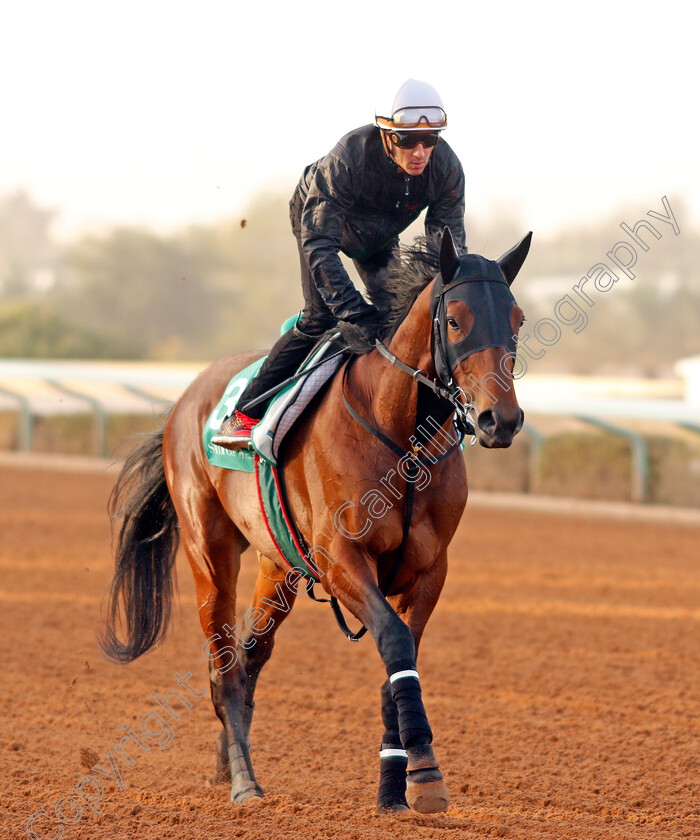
point(366, 326)
point(368, 314)
point(369, 322)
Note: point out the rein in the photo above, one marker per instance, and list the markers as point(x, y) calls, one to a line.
point(388, 442)
point(451, 393)
point(412, 467)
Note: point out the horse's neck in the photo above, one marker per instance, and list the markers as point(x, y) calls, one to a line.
point(391, 393)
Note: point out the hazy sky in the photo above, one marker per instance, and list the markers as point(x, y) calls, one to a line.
point(167, 113)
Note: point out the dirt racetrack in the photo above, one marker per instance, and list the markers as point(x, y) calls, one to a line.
point(560, 673)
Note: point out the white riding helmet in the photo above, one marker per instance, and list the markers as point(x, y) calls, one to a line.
point(417, 107)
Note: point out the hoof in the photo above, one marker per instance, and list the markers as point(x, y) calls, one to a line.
point(252, 800)
point(393, 807)
point(427, 795)
point(247, 794)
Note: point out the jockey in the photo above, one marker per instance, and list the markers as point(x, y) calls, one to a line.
point(357, 200)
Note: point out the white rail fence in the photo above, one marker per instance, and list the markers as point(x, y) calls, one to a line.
point(36, 388)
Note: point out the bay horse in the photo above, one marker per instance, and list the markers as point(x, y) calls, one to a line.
point(455, 332)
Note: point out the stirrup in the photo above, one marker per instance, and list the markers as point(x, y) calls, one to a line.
point(235, 431)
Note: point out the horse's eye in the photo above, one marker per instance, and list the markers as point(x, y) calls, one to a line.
point(452, 324)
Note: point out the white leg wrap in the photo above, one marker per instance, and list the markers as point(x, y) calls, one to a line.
point(400, 675)
point(393, 754)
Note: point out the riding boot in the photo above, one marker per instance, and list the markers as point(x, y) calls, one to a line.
point(283, 361)
point(285, 357)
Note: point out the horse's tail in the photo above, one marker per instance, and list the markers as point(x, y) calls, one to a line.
point(142, 587)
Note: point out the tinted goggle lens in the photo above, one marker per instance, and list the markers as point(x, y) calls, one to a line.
point(414, 117)
point(410, 139)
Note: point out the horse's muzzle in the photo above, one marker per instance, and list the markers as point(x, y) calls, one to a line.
point(496, 431)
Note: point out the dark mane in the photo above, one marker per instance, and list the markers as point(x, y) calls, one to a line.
point(395, 293)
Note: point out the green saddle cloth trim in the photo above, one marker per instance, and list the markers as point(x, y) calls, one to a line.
point(248, 460)
point(277, 525)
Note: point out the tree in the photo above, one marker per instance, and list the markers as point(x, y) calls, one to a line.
point(31, 329)
point(151, 289)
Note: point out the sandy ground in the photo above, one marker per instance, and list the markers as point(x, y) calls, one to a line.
point(560, 673)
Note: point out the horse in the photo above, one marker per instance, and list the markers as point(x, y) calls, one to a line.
point(448, 350)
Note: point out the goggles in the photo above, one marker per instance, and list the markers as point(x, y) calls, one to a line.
point(410, 139)
point(415, 117)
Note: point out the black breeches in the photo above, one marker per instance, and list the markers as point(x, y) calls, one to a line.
point(290, 349)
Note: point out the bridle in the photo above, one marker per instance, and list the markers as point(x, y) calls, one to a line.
point(449, 391)
point(488, 331)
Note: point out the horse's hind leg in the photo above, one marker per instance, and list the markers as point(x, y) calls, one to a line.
point(213, 546)
point(273, 600)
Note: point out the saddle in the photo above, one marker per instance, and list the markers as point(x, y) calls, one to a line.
point(282, 413)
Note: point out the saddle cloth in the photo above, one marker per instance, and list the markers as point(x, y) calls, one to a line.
point(283, 412)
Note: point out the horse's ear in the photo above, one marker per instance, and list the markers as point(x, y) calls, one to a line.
point(511, 262)
point(449, 258)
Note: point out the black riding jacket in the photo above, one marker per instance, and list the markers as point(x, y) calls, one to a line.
point(357, 200)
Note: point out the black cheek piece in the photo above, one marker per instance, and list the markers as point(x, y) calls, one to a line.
point(481, 285)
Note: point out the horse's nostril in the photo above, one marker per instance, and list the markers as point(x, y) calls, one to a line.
point(519, 424)
point(487, 421)
point(492, 423)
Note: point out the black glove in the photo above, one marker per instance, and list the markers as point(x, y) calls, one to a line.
point(366, 327)
point(367, 314)
point(369, 321)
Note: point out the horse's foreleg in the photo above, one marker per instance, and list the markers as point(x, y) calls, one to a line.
point(426, 791)
point(393, 759)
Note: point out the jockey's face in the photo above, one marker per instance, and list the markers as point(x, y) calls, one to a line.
point(411, 161)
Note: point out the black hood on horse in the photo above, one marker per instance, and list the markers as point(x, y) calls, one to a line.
point(484, 286)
